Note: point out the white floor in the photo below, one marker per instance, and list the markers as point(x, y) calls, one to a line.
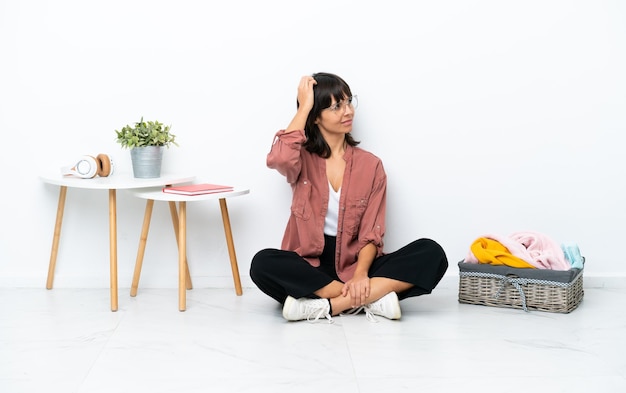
point(67, 340)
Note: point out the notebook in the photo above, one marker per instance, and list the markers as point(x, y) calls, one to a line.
point(197, 189)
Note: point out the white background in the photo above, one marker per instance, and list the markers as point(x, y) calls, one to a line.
point(490, 117)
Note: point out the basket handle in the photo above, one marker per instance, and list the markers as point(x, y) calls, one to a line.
point(517, 282)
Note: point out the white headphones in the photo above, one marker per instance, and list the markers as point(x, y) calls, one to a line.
point(87, 167)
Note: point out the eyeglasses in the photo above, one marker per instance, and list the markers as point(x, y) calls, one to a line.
point(340, 106)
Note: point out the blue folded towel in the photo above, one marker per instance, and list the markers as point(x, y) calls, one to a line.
point(572, 254)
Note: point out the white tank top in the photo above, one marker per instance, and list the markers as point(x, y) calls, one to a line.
point(330, 222)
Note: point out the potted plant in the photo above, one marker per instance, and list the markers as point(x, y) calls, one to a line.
point(146, 141)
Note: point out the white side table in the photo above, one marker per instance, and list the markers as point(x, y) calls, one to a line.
point(180, 228)
point(111, 183)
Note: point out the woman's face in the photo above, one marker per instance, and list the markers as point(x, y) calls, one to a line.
point(337, 118)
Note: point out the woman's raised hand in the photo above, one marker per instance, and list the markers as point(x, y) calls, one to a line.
point(305, 93)
point(306, 99)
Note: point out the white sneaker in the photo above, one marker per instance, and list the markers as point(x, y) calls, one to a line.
point(387, 306)
point(304, 308)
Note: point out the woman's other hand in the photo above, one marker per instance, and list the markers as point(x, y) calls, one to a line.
point(358, 288)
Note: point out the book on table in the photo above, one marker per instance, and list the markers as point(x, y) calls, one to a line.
point(197, 189)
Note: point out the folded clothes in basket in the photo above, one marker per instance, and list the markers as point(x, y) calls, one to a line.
point(524, 249)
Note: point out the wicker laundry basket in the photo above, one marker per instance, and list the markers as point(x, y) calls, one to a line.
point(527, 289)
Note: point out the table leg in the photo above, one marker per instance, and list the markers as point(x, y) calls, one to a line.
point(113, 246)
point(175, 224)
point(143, 239)
point(56, 237)
point(182, 257)
point(231, 246)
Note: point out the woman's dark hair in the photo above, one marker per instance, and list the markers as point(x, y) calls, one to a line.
point(328, 86)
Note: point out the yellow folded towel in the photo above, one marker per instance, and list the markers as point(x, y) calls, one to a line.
point(493, 252)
